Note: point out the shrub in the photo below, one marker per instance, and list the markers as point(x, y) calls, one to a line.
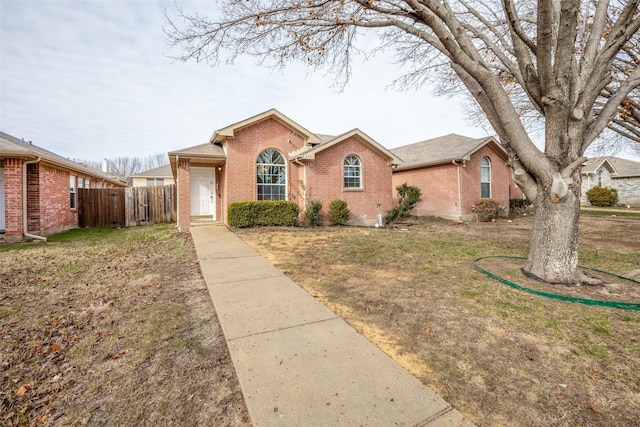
point(312, 215)
point(263, 212)
point(488, 209)
point(338, 212)
point(408, 197)
point(602, 196)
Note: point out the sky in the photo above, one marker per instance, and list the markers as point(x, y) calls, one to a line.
point(94, 79)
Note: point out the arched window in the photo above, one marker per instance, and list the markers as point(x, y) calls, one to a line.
point(600, 178)
point(485, 178)
point(271, 175)
point(352, 172)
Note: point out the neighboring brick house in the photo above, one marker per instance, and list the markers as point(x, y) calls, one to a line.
point(38, 189)
point(453, 172)
point(612, 172)
point(158, 176)
point(269, 156)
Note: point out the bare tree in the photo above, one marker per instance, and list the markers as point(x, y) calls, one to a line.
point(124, 166)
point(570, 64)
point(156, 160)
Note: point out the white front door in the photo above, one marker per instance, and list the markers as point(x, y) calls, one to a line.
point(1, 198)
point(203, 195)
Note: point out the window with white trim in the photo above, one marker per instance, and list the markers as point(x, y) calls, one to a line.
point(72, 192)
point(271, 175)
point(485, 178)
point(352, 172)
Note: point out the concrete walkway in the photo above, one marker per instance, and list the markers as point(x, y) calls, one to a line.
point(298, 364)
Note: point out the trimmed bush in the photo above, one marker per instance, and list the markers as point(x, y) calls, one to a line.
point(338, 212)
point(602, 196)
point(312, 215)
point(488, 209)
point(263, 212)
point(408, 197)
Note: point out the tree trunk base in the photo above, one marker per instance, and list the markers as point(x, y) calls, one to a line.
point(581, 279)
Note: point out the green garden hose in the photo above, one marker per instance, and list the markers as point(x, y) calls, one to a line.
point(614, 304)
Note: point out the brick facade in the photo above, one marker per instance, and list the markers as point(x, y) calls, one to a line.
point(441, 194)
point(184, 195)
point(48, 198)
point(319, 179)
point(325, 181)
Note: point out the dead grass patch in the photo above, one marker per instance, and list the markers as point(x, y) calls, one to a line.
point(501, 356)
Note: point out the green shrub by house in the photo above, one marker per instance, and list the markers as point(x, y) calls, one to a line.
point(263, 212)
point(488, 209)
point(602, 196)
point(312, 215)
point(338, 212)
point(408, 197)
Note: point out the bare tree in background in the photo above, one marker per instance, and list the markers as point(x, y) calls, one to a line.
point(125, 166)
point(153, 161)
point(571, 65)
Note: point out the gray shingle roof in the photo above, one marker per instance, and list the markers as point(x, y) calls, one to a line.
point(622, 167)
point(443, 149)
point(207, 149)
point(10, 146)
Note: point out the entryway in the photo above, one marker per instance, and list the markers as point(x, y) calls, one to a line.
point(203, 194)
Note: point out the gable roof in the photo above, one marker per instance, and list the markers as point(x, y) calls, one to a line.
point(228, 132)
point(309, 152)
point(208, 150)
point(159, 172)
point(13, 147)
point(619, 168)
point(443, 149)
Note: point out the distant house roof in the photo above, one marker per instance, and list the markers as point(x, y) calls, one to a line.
point(13, 147)
point(163, 171)
point(308, 152)
point(619, 168)
point(443, 149)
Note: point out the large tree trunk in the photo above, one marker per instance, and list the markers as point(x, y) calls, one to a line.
point(553, 254)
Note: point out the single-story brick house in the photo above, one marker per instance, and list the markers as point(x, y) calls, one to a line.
point(612, 172)
point(271, 157)
point(157, 176)
point(453, 172)
point(38, 189)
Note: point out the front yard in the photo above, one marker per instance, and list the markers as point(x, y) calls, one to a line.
point(111, 327)
point(500, 356)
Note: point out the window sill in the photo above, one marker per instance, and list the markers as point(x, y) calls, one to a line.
point(353, 190)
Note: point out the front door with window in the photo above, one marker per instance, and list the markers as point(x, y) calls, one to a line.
point(203, 195)
point(2, 199)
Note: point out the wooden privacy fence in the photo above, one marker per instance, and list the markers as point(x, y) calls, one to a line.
point(126, 207)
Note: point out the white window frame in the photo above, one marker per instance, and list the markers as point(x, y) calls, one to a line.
point(355, 168)
point(485, 182)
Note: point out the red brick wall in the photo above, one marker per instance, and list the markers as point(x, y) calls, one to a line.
point(324, 175)
point(439, 185)
point(184, 195)
point(13, 199)
point(48, 207)
point(325, 180)
point(243, 151)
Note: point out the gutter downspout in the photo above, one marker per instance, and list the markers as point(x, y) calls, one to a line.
point(24, 201)
point(459, 190)
point(304, 181)
point(177, 192)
